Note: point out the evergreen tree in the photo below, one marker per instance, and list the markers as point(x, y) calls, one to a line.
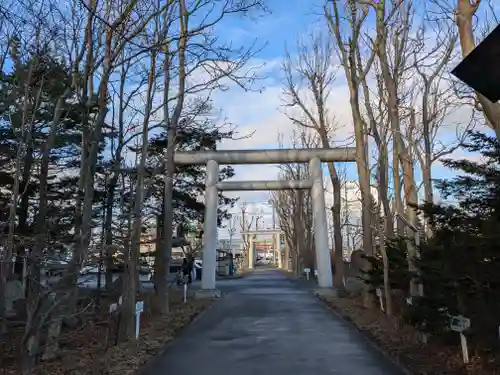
point(460, 263)
point(190, 179)
point(28, 96)
point(399, 276)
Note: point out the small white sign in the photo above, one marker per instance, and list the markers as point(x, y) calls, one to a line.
point(113, 307)
point(139, 307)
point(378, 291)
point(465, 348)
point(316, 273)
point(409, 301)
point(459, 323)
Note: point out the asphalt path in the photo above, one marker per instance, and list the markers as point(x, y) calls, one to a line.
point(268, 324)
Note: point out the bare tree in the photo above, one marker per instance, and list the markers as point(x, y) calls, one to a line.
point(231, 230)
point(197, 50)
point(348, 48)
point(436, 101)
point(130, 280)
point(245, 226)
point(6, 259)
point(171, 125)
point(401, 16)
point(258, 217)
point(123, 125)
point(312, 73)
point(294, 208)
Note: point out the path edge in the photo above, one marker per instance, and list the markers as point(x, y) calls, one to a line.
point(368, 337)
point(145, 369)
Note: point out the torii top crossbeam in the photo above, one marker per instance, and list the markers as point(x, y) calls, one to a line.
point(282, 156)
point(262, 232)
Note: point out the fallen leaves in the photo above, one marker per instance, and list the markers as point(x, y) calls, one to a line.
point(84, 351)
point(404, 344)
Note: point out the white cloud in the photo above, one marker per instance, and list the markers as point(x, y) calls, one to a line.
point(260, 114)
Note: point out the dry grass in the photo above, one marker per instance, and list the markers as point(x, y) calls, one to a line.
point(84, 351)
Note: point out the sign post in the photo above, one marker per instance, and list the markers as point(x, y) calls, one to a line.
point(185, 291)
point(379, 295)
point(460, 324)
point(139, 308)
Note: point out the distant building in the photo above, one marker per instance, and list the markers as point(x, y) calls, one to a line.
point(352, 238)
point(148, 246)
point(236, 245)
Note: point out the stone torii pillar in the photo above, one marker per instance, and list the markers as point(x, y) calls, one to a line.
point(210, 227)
point(323, 259)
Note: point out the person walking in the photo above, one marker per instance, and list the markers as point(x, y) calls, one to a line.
point(190, 265)
point(185, 271)
point(182, 276)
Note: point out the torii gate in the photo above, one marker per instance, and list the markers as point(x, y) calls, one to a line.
point(313, 156)
point(276, 240)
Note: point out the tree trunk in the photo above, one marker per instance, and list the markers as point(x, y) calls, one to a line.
point(6, 260)
point(428, 188)
point(385, 260)
point(404, 157)
point(398, 200)
point(40, 236)
point(126, 328)
point(171, 126)
point(300, 242)
point(25, 197)
point(108, 230)
point(162, 259)
point(364, 185)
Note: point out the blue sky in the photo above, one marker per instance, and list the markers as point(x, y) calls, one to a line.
point(261, 113)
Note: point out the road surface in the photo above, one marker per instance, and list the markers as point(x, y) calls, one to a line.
point(268, 324)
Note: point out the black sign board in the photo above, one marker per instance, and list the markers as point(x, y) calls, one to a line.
point(481, 68)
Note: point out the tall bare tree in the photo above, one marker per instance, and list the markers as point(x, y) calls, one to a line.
point(131, 280)
point(294, 208)
point(245, 226)
point(196, 50)
point(312, 74)
point(348, 37)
